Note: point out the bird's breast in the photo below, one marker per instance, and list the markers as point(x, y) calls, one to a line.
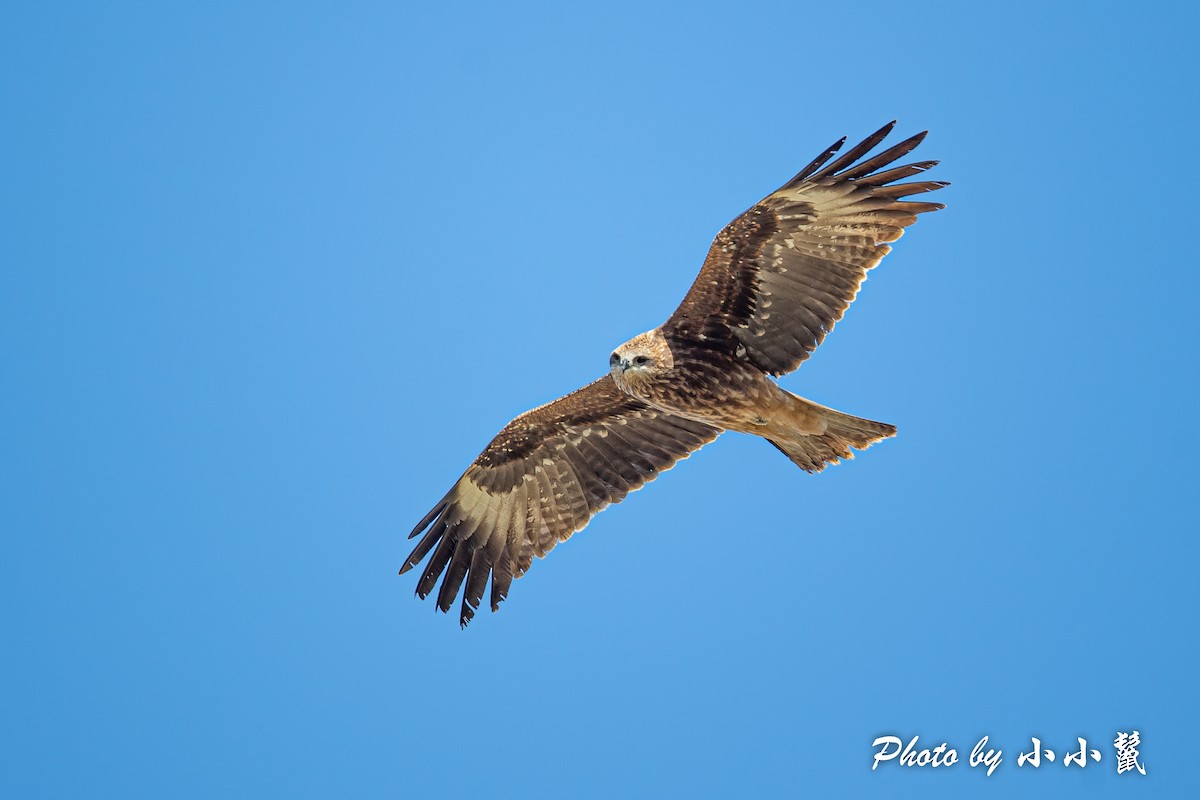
point(726, 395)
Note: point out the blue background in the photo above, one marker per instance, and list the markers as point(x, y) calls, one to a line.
point(272, 276)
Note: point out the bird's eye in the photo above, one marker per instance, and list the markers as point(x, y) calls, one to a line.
point(613, 359)
point(641, 361)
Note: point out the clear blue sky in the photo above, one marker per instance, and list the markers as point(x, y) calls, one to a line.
point(272, 276)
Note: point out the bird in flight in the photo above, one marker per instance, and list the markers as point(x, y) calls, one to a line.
point(774, 283)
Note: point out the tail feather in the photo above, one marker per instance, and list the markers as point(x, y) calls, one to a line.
point(843, 434)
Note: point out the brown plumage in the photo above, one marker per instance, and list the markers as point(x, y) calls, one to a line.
point(775, 282)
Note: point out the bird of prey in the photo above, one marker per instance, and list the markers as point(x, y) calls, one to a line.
point(774, 283)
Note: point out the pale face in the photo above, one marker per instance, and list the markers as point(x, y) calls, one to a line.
point(640, 360)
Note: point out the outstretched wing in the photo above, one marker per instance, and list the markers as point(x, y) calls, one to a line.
point(779, 277)
point(540, 480)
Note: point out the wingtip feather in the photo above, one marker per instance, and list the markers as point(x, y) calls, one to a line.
point(431, 516)
point(848, 158)
point(816, 163)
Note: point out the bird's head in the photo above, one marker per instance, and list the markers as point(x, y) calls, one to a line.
point(640, 360)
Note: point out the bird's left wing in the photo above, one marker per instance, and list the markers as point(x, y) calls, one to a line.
point(779, 277)
point(543, 477)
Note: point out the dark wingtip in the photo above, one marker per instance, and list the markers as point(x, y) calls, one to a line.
point(917, 138)
point(879, 135)
point(431, 516)
point(852, 155)
point(466, 614)
point(817, 162)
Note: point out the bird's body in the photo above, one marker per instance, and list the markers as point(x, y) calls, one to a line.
point(691, 382)
point(706, 386)
point(775, 281)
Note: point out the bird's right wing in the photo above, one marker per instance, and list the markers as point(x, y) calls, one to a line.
point(781, 275)
point(544, 477)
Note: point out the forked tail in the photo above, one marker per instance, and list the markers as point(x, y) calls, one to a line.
point(843, 434)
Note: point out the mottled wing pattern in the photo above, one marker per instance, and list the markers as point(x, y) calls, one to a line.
point(540, 480)
point(779, 277)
